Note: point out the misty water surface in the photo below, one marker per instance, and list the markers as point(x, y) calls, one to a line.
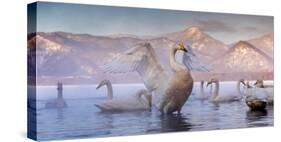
point(82, 119)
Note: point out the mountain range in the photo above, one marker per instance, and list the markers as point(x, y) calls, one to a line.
point(68, 55)
point(243, 57)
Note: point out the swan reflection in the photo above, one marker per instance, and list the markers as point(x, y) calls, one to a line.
point(172, 123)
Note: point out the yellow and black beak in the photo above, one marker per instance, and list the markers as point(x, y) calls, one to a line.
point(181, 47)
point(259, 82)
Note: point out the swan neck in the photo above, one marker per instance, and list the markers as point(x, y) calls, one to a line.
point(238, 88)
point(109, 90)
point(173, 63)
point(216, 92)
point(202, 88)
point(211, 89)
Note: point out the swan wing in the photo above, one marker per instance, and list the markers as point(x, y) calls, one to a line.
point(223, 98)
point(122, 63)
point(111, 105)
point(122, 104)
point(191, 61)
point(129, 60)
point(101, 107)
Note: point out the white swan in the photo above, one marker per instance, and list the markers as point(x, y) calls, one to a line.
point(268, 90)
point(59, 102)
point(219, 97)
point(253, 100)
point(169, 92)
point(136, 102)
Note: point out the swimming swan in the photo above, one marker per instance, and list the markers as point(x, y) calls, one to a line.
point(169, 92)
point(253, 100)
point(136, 102)
point(219, 97)
point(267, 89)
point(59, 102)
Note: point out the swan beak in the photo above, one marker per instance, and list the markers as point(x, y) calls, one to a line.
point(98, 86)
point(208, 84)
point(256, 83)
point(181, 47)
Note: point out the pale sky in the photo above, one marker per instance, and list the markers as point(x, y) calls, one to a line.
point(106, 20)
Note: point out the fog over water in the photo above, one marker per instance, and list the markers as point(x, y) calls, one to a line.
point(82, 119)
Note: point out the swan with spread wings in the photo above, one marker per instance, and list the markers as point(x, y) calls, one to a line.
point(170, 92)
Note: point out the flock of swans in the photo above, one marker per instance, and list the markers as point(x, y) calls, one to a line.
point(256, 96)
point(168, 93)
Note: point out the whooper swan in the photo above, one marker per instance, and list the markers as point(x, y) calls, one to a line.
point(169, 92)
point(135, 102)
point(218, 97)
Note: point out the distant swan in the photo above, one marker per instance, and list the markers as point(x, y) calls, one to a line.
point(135, 102)
point(169, 92)
point(220, 97)
point(59, 102)
point(267, 89)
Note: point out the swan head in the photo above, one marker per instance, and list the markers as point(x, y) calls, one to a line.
point(147, 97)
point(245, 83)
point(102, 83)
point(190, 59)
point(59, 86)
point(212, 81)
point(248, 84)
point(181, 47)
point(259, 83)
point(242, 81)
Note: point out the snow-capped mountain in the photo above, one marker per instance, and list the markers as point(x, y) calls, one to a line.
point(264, 43)
point(243, 57)
point(61, 54)
point(206, 46)
point(79, 52)
point(56, 58)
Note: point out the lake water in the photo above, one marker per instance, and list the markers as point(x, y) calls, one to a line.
point(81, 119)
